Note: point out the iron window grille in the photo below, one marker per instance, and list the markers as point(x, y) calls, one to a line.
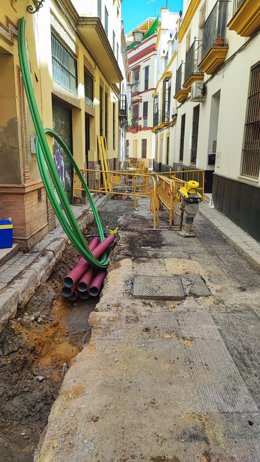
point(146, 77)
point(250, 165)
point(89, 88)
point(64, 65)
point(195, 131)
point(183, 120)
point(155, 111)
point(166, 100)
point(145, 114)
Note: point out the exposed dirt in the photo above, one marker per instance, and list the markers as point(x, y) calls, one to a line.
point(36, 348)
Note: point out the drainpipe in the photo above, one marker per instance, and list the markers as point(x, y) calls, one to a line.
point(97, 284)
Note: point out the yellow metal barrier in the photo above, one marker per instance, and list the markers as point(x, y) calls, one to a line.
point(167, 194)
point(160, 189)
point(185, 176)
point(124, 184)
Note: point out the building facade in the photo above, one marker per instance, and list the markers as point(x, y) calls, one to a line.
point(218, 91)
point(76, 68)
point(142, 80)
point(164, 106)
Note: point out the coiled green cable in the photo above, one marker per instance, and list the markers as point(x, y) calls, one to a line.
point(45, 159)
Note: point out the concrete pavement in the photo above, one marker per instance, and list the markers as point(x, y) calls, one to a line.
point(166, 380)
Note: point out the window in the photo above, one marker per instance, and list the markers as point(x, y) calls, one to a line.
point(183, 119)
point(166, 100)
point(100, 9)
point(195, 131)
point(146, 77)
point(144, 148)
point(251, 145)
point(64, 66)
point(106, 115)
point(89, 88)
point(135, 114)
point(101, 111)
point(167, 150)
point(114, 42)
point(106, 20)
point(135, 74)
point(155, 111)
point(114, 126)
point(145, 113)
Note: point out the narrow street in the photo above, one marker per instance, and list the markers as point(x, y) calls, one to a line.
point(164, 379)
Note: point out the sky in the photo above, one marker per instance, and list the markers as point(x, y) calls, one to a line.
point(134, 12)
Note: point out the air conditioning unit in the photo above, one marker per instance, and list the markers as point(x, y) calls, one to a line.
point(198, 92)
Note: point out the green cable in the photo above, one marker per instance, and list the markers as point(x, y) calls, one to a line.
point(45, 158)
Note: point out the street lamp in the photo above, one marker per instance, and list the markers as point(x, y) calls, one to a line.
point(138, 35)
point(37, 5)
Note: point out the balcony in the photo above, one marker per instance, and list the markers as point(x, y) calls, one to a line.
point(246, 17)
point(214, 46)
point(123, 106)
point(135, 87)
point(192, 72)
point(180, 93)
point(123, 111)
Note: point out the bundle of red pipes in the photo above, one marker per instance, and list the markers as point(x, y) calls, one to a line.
point(83, 280)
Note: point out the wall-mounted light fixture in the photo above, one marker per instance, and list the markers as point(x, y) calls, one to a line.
point(138, 35)
point(37, 5)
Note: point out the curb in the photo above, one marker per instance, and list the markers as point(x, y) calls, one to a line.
point(18, 292)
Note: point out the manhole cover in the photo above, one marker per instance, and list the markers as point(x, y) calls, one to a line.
point(164, 288)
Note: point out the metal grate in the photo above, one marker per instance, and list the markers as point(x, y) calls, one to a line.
point(251, 148)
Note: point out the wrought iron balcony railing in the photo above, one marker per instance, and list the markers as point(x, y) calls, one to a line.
point(136, 86)
point(192, 60)
point(155, 118)
point(236, 5)
point(179, 77)
point(214, 31)
point(123, 107)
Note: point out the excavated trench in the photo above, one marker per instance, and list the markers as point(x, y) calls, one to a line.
point(36, 348)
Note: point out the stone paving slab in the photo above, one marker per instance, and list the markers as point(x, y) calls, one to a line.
point(246, 244)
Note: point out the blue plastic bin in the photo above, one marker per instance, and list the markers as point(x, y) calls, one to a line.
point(6, 234)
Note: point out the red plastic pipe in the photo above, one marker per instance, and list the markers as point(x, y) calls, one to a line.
point(81, 267)
point(84, 295)
point(96, 284)
point(100, 249)
point(74, 296)
point(85, 281)
point(67, 292)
